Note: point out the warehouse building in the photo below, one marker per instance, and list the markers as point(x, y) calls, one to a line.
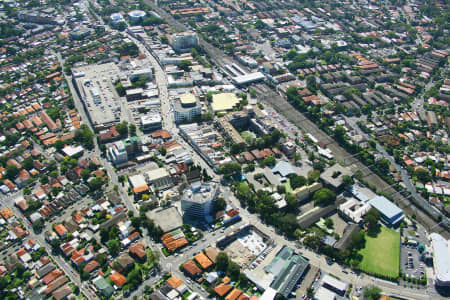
point(159, 178)
point(441, 259)
point(224, 102)
point(248, 78)
point(287, 268)
point(391, 214)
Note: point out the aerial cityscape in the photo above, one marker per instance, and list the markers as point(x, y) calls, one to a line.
point(224, 149)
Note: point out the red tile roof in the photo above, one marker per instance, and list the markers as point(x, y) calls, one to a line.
point(191, 268)
point(222, 289)
point(118, 279)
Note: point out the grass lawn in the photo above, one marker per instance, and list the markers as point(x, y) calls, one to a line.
point(381, 255)
point(247, 135)
point(288, 187)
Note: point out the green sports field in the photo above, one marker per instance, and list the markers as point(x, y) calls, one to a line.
point(381, 255)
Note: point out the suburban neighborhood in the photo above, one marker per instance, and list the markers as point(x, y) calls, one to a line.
point(237, 150)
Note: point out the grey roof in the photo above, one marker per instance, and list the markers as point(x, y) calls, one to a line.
point(386, 207)
point(344, 241)
point(271, 178)
point(283, 168)
point(287, 268)
point(329, 240)
point(441, 258)
point(327, 175)
point(45, 270)
point(335, 283)
point(361, 192)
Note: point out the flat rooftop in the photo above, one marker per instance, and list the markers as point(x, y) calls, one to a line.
point(386, 207)
point(441, 258)
point(188, 98)
point(334, 174)
point(167, 219)
point(224, 101)
point(201, 192)
point(96, 86)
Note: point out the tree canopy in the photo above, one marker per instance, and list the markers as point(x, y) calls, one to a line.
point(324, 197)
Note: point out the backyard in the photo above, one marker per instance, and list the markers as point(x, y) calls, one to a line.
point(381, 254)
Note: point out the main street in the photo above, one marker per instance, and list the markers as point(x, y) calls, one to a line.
point(315, 259)
point(171, 263)
point(166, 106)
point(282, 106)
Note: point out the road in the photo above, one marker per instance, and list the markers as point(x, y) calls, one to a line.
point(279, 103)
point(8, 201)
point(171, 263)
point(405, 178)
point(217, 55)
point(166, 106)
point(167, 263)
point(320, 260)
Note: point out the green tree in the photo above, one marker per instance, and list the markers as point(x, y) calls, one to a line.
point(358, 240)
point(233, 270)
point(164, 40)
point(371, 221)
point(296, 157)
point(163, 151)
point(236, 149)
point(104, 235)
point(27, 163)
point(347, 180)
point(38, 226)
point(230, 169)
point(185, 65)
point(340, 134)
point(135, 276)
point(113, 247)
point(296, 181)
point(324, 197)
point(220, 204)
point(11, 172)
point(329, 223)
point(222, 261)
point(269, 161)
point(122, 128)
point(371, 293)
point(120, 89)
point(85, 174)
point(85, 136)
point(95, 184)
point(311, 83)
point(423, 175)
point(132, 129)
point(84, 275)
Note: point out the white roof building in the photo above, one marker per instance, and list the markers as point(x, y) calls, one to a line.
point(441, 259)
point(72, 151)
point(334, 284)
point(324, 294)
